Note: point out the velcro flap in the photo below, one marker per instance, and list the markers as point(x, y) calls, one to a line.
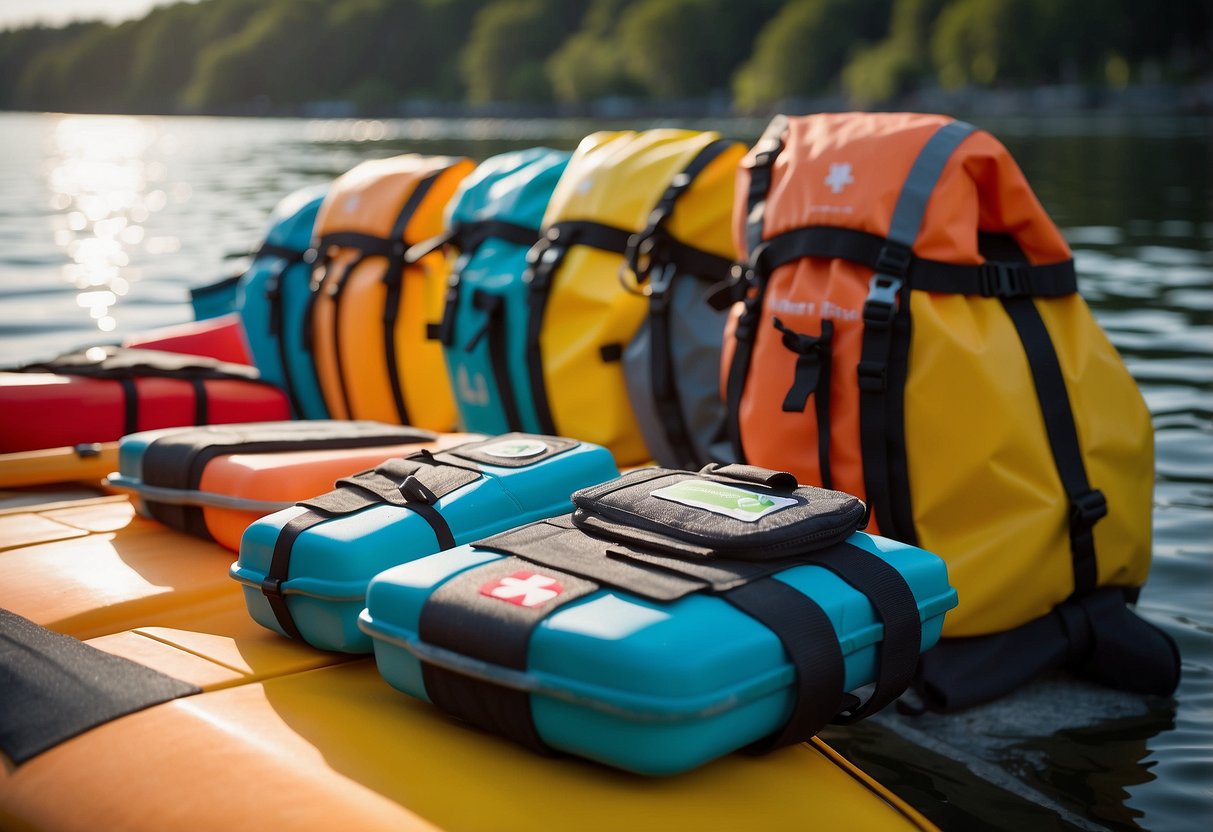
point(513, 450)
point(711, 515)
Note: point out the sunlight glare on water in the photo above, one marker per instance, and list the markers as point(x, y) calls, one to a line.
point(102, 188)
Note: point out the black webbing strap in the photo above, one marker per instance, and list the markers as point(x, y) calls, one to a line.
point(811, 644)
point(893, 600)
point(335, 289)
point(1087, 504)
point(887, 302)
point(275, 298)
point(812, 378)
point(286, 253)
point(201, 402)
point(543, 260)
point(368, 245)
point(493, 306)
point(654, 246)
point(130, 405)
point(415, 483)
point(656, 257)
point(393, 279)
point(662, 382)
point(472, 235)
point(468, 237)
point(768, 148)
point(54, 687)
point(507, 598)
point(994, 278)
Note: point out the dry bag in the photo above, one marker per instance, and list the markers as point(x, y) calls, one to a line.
point(371, 305)
point(912, 333)
point(633, 215)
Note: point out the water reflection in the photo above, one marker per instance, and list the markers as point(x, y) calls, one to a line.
point(103, 189)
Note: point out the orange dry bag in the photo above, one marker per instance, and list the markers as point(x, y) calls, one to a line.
point(372, 304)
point(912, 333)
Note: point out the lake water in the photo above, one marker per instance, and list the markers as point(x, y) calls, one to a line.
point(106, 222)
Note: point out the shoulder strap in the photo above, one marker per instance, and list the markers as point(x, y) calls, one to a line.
point(768, 149)
point(886, 310)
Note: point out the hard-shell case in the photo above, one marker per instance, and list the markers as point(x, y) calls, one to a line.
point(671, 672)
point(305, 569)
point(214, 481)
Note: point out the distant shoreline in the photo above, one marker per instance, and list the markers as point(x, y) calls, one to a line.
point(1192, 99)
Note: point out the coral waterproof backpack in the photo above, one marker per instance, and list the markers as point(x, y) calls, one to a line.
point(273, 296)
point(912, 333)
point(372, 305)
point(493, 221)
point(632, 215)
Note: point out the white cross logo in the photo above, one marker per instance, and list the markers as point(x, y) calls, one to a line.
point(526, 589)
point(840, 176)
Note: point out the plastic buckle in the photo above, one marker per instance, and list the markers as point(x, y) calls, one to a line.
point(271, 587)
point(881, 303)
point(871, 377)
point(414, 491)
point(1003, 280)
point(1087, 509)
point(894, 259)
point(747, 322)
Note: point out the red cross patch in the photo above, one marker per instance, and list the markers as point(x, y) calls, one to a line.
point(526, 589)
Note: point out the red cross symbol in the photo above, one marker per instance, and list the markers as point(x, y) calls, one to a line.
point(526, 589)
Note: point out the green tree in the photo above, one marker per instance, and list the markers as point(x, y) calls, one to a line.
point(508, 44)
point(896, 65)
point(87, 74)
point(589, 64)
point(680, 48)
point(275, 58)
point(804, 48)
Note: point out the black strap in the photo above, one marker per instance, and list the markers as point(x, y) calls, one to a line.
point(811, 643)
point(335, 288)
point(662, 382)
point(543, 260)
point(393, 279)
point(994, 278)
point(768, 148)
point(494, 308)
point(892, 599)
point(54, 687)
point(368, 245)
point(415, 483)
point(286, 253)
point(130, 405)
point(1087, 505)
point(811, 377)
point(886, 321)
point(472, 235)
point(459, 615)
point(275, 298)
point(201, 402)
point(655, 247)
point(178, 459)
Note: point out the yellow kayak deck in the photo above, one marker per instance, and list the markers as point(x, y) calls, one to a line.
point(285, 736)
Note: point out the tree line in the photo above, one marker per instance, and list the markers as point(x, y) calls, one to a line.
point(223, 56)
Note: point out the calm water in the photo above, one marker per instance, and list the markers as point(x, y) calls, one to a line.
point(105, 223)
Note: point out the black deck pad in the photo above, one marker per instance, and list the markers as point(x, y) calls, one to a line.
point(54, 687)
